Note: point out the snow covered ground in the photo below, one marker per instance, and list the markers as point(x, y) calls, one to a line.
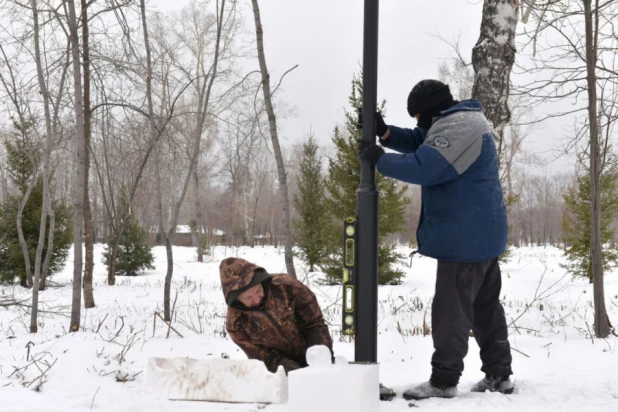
point(558, 367)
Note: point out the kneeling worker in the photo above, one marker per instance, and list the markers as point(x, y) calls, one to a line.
point(272, 317)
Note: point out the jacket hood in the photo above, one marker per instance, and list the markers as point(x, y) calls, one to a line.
point(238, 275)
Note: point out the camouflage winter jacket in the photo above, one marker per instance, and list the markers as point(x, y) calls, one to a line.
point(280, 330)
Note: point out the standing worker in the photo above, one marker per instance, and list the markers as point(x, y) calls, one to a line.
point(463, 224)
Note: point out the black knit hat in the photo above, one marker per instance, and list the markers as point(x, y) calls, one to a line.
point(426, 95)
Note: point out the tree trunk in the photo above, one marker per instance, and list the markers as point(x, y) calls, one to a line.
point(20, 231)
point(509, 159)
point(78, 188)
point(493, 58)
point(105, 228)
point(165, 237)
point(46, 155)
point(168, 279)
point(111, 268)
point(88, 240)
point(255, 206)
point(601, 320)
point(5, 194)
point(96, 221)
point(253, 226)
point(39, 252)
point(198, 218)
point(50, 244)
point(272, 124)
point(246, 232)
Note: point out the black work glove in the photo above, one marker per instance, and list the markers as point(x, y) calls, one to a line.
point(370, 152)
point(381, 127)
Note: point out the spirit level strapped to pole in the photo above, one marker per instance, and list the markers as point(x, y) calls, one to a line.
point(366, 343)
point(349, 276)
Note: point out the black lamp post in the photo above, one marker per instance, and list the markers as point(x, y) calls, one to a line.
point(366, 349)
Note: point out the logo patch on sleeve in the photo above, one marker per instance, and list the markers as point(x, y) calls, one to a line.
point(440, 142)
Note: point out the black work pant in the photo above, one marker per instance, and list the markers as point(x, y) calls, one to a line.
point(468, 298)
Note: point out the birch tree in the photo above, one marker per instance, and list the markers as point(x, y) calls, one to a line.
point(493, 57)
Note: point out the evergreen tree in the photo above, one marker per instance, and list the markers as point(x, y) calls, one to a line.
point(134, 252)
point(341, 186)
point(576, 226)
point(20, 171)
point(310, 227)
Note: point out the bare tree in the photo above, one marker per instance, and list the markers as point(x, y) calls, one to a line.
point(78, 185)
point(46, 208)
point(88, 229)
point(122, 93)
point(272, 123)
point(205, 75)
point(601, 320)
point(43, 223)
point(577, 65)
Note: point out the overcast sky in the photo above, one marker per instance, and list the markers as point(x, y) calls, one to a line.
point(324, 37)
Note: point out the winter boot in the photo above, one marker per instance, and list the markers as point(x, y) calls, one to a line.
point(428, 390)
point(494, 384)
point(386, 394)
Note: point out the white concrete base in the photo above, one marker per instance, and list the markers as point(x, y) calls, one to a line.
point(216, 380)
point(335, 388)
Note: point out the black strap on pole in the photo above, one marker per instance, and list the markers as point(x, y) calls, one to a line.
point(366, 344)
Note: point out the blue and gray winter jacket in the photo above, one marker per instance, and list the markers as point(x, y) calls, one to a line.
point(463, 216)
